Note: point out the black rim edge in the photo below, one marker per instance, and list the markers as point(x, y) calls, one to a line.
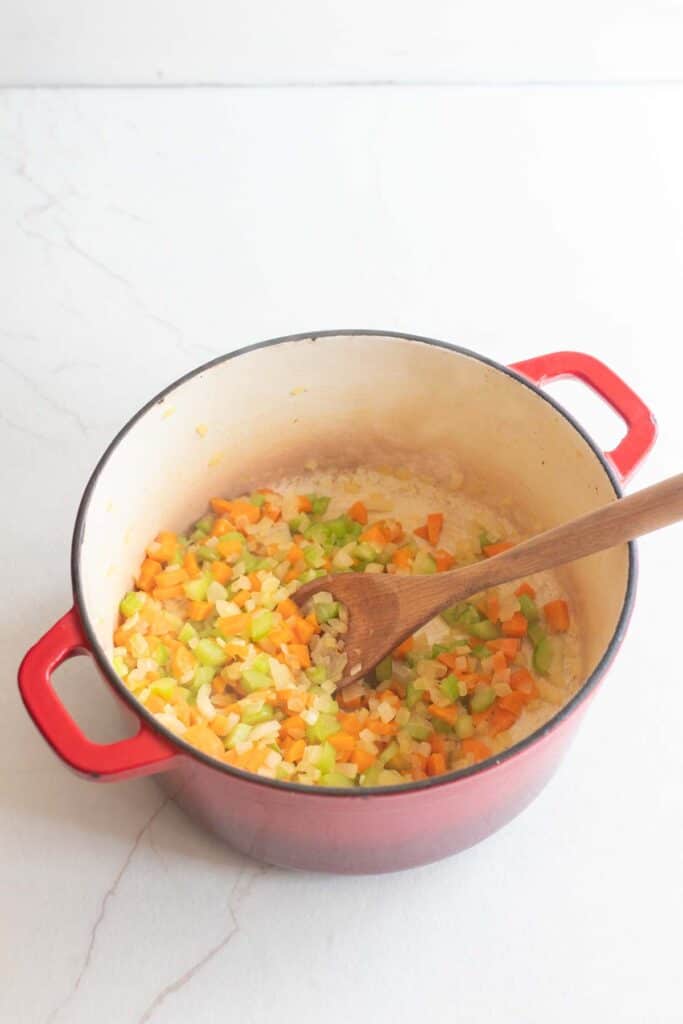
point(371, 791)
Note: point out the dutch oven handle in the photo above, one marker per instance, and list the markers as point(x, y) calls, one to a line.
point(142, 754)
point(641, 427)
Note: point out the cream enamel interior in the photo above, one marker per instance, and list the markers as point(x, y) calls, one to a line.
point(347, 400)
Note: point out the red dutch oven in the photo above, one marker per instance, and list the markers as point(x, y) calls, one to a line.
point(342, 398)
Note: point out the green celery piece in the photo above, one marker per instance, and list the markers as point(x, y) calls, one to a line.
point(450, 687)
point(257, 499)
point(481, 652)
point(543, 655)
point(536, 633)
point(324, 726)
point(484, 630)
point(319, 504)
point(196, 590)
point(424, 563)
point(311, 574)
point(203, 674)
point(451, 615)
point(366, 552)
point(529, 608)
point(233, 535)
point(250, 562)
point(464, 727)
point(261, 624)
point(314, 556)
point(187, 633)
point(208, 652)
point(485, 539)
point(326, 610)
point(238, 735)
point(438, 649)
point(342, 529)
point(164, 687)
point(161, 655)
point(266, 563)
point(120, 666)
point(318, 533)
point(418, 730)
point(317, 674)
point(384, 670)
point(371, 776)
point(413, 695)
point(389, 751)
point(252, 680)
point(261, 664)
point(469, 615)
point(337, 780)
point(207, 554)
point(131, 603)
point(327, 759)
point(482, 699)
point(205, 523)
point(253, 717)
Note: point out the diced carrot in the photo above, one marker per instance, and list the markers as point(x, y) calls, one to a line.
point(221, 526)
point(281, 635)
point(358, 512)
point(434, 527)
point(418, 762)
point(303, 503)
point(447, 714)
point(422, 531)
point(171, 578)
point(294, 726)
point(444, 560)
point(515, 626)
point(241, 598)
point(228, 547)
point(197, 611)
point(287, 608)
point(513, 702)
point(476, 749)
point(508, 645)
point(255, 758)
point(155, 703)
point(499, 662)
point(557, 616)
point(235, 650)
point(525, 588)
point(523, 682)
point(182, 662)
point(493, 607)
point(342, 742)
point(313, 621)
point(234, 625)
point(501, 720)
point(272, 512)
point(219, 725)
point(168, 593)
point(164, 547)
point(379, 727)
point(437, 743)
point(403, 558)
point(240, 508)
point(191, 566)
point(221, 572)
point(255, 581)
point(303, 630)
point(448, 658)
point(296, 751)
point(362, 758)
point(301, 654)
point(220, 506)
point(350, 723)
point(295, 554)
point(404, 648)
point(389, 696)
point(149, 570)
point(436, 764)
point(497, 549)
point(374, 535)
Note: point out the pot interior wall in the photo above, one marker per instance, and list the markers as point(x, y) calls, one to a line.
point(346, 400)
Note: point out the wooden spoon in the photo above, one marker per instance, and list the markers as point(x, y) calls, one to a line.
point(385, 608)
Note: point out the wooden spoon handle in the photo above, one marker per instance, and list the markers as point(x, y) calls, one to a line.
point(616, 523)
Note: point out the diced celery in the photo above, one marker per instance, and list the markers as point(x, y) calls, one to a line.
point(485, 539)
point(383, 670)
point(324, 726)
point(337, 780)
point(265, 563)
point(365, 551)
point(205, 524)
point(208, 652)
point(470, 615)
point(482, 652)
point(319, 504)
point(327, 759)
point(187, 633)
point(300, 523)
point(389, 751)
point(484, 630)
point(132, 603)
point(543, 655)
point(311, 574)
point(120, 666)
point(162, 654)
point(317, 674)
point(418, 730)
point(528, 608)
point(343, 529)
point(164, 687)
point(253, 716)
point(424, 563)
point(450, 687)
point(258, 500)
point(314, 556)
point(196, 590)
point(326, 610)
point(203, 675)
point(207, 554)
point(482, 699)
point(440, 726)
point(261, 624)
point(261, 664)
point(535, 632)
point(252, 680)
point(238, 735)
point(464, 727)
point(233, 535)
point(438, 649)
point(371, 776)
point(250, 562)
point(413, 695)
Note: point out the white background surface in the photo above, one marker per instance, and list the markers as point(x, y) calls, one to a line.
point(144, 231)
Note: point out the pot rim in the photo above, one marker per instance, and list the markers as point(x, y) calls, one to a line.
point(447, 779)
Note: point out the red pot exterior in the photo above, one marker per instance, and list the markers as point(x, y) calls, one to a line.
point(336, 830)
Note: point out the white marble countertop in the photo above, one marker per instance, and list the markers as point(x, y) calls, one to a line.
point(142, 233)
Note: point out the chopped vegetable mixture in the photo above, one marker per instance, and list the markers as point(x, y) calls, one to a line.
point(212, 644)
